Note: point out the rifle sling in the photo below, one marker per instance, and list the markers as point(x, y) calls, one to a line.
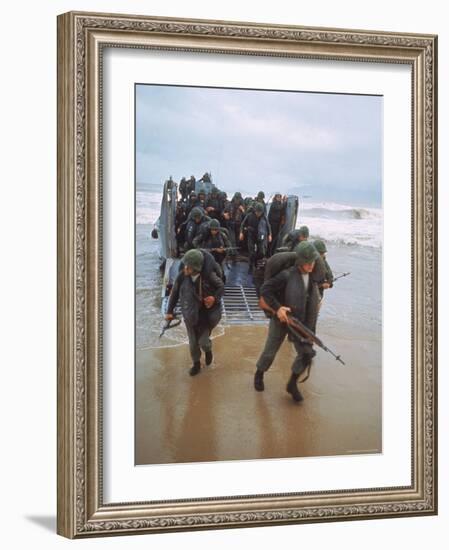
point(307, 374)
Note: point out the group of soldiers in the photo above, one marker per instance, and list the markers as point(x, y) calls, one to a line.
point(290, 279)
point(228, 227)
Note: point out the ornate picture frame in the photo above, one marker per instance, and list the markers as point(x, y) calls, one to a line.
point(82, 38)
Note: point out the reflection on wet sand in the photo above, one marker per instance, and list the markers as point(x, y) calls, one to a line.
point(217, 415)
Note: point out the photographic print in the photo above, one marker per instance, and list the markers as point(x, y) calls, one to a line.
point(258, 274)
point(246, 274)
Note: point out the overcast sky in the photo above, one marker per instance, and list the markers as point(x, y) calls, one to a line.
point(328, 146)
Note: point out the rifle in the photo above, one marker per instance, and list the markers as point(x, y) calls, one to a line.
point(340, 276)
point(299, 330)
point(335, 278)
point(172, 323)
point(224, 249)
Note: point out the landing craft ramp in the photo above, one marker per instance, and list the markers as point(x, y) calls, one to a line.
point(240, 301)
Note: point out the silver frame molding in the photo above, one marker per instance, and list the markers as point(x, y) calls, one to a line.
point(81, 38)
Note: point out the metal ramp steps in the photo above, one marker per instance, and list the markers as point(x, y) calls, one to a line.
point(240, 305)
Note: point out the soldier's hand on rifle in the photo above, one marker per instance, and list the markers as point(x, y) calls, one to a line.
point(209, 301)
point(169, 317)
point(325, 285)
point(220, 250)
point(269, 238)
point(282, 314)
point(241, 237)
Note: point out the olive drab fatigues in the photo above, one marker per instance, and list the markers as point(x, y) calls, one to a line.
point(236, 217)
point(322, 273)
point(229, 225)
point(213, 206)
point(190, 229)
point(285, 260)
point(210, 242)
point(328, 276)
point(279, 262)
point(291, 239)
point(254, 226)
point(288, 289)
point(199, 320)
point(209, 266)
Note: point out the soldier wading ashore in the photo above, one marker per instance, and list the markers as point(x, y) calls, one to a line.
point(199, 289)
point(291, 292)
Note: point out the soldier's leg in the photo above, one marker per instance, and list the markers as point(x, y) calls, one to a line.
point(204, 340)
point(194, 347)
point(231, 233)
point(213, 317)
point(274, 238)
point(236, 229)
point(275, 337)
point(208, 321)
point(251, 251)
point(304, 355)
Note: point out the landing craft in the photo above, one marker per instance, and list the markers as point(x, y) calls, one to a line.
point(240, 301)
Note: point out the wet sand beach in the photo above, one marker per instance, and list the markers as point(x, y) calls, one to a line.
point(217, 415)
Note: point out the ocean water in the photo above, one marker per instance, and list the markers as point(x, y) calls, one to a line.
point(353, 235)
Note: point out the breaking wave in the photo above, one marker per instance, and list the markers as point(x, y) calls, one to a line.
point(343, 224)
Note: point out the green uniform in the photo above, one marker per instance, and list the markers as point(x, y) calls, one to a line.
point(285, 260)
point(328, 276)
point(199, 320)
point(300, 293)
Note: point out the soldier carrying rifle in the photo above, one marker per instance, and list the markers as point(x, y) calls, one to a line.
point(214, 238)
point(291, 292)
point(199, 289)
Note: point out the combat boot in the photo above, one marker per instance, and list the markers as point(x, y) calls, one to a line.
point(195, 368)
point(209, 357)
point(258, 381)
point(292, 388)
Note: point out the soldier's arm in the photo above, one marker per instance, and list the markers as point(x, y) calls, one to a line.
point(189, 233)
point(329, 274)
point(198, 241)
point(226, 241)
point(217, 284)
point(174, 294)
point(319, 271)
point(182, 226)
point(272, 288)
